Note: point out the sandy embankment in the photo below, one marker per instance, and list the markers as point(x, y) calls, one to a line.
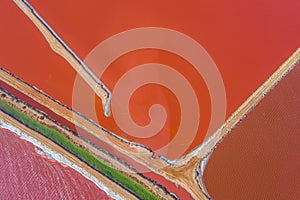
point(47, 152)
point(111, 188)
point(42, 118)
point(182, 171)
point(139, 153)
point(63, 50)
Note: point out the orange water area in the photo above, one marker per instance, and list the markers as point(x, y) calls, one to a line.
point(247, 41)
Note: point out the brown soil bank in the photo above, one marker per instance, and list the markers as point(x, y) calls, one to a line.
point(260, 159)
point(42, 118)
point(186, 172)
point(89, 130)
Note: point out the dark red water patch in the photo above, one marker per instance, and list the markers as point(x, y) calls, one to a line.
point(16, 93)
point(260, 159)
point(180, 192)
point(25, 174)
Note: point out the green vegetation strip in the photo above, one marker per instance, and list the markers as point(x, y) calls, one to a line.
point(131, 185)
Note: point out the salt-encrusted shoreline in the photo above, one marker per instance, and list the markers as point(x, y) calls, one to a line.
point(58, 157)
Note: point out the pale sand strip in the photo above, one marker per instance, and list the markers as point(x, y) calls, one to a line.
point(140, 153)
point(186, 171)
point(63, 50)
point(115, 190)
point(137, 152)
point(123, 167)
point(203, 152)
point(56, 156)
point(183, 171)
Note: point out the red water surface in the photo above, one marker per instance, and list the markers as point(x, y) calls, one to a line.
point(179, 191)
point(260, 158)
point(247, 40)
point(25, 174)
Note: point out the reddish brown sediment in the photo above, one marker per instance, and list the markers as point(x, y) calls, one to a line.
point(193, 164)
point(246, 107)
point(259, 159)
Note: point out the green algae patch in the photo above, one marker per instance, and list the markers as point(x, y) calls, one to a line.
point(123, 180)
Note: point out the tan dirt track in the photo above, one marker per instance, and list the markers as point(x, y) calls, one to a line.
point(40, 117)
point(63, 50)
point(185, 172)
point(51, 145)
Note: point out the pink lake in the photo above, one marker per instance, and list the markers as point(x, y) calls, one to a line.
point(25, 174)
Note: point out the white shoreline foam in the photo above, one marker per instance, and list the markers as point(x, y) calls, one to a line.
point(59, 158)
